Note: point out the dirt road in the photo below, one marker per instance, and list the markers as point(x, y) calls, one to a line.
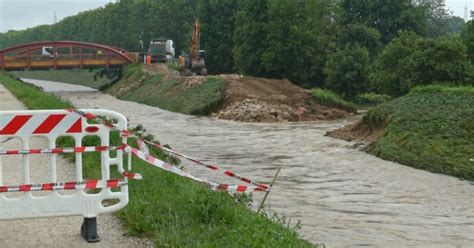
point(59, 231)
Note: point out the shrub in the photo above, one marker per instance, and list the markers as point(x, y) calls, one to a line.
point(346, 71)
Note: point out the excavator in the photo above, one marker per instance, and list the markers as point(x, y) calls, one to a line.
point(195, 63)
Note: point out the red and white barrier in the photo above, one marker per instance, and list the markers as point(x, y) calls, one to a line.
point(52, 124)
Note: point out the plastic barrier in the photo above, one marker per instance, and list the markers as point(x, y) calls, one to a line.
point(52, 124)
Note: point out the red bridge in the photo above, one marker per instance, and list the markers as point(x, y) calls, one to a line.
point(63, 54)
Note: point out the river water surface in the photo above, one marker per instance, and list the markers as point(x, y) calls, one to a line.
point(343, 197)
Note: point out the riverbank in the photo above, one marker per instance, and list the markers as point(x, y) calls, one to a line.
point(432, 128)
point(229, 97)
point(172, 210)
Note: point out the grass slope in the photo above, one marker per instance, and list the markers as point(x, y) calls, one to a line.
point(331, 99)
point(72, 76)
point(168, 93)
point(171, 210)
point(432, 128)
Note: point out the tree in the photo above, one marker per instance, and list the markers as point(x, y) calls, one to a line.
point(456, 24)
point(218, 26)
point(441, 60)
point(387, 73)
point(294, 38)
point(467, 36)
point(363, 36)
point(346, 71)
point(409, 60)
point(437, 17)
point(387, 16)
point(250, 36)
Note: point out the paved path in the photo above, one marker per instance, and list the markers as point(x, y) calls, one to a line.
point(52, 232)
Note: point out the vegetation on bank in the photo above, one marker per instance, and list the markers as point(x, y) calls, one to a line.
point(171, 210)
point(329, 98)
point(431, 128)
point(169, 92)
point(70, 76)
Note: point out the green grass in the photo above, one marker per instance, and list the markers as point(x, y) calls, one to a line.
point(331, 99)
point(432, 128)
point(437, 88)
point(169, 93)
point(372, 98)
point(73, 76)
point(171, 210)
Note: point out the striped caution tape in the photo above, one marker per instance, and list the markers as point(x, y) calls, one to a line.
point(88, 184)
point(173, 169)
point(256, 186)
point(212, 167)
point(63, 150)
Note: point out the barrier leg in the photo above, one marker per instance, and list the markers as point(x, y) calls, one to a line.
point(89, 230)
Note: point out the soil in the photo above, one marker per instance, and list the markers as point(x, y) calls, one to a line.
point(252, 99)
point(360, 132)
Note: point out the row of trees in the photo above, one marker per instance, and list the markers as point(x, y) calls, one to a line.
point(348, 46)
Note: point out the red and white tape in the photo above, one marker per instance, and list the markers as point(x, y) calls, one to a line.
point(88, 184)
point(256, 186)
point(63, 150)
point(212, 167)
point(173, 169)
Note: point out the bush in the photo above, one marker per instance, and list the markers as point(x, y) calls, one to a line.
point(409, 61)
point(387, 73)
point(346, 71)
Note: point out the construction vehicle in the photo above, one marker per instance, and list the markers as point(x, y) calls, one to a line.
point(195, 63)
point(161, 50)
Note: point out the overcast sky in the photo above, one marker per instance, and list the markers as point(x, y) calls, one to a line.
point(21, 14)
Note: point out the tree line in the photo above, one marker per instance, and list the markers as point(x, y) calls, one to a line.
point(348, 46)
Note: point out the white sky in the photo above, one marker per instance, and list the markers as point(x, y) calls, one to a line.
point(22, 14)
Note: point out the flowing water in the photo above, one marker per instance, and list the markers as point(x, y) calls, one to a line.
point(343, 197)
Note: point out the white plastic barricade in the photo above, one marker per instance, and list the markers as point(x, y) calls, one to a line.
point(52, 124)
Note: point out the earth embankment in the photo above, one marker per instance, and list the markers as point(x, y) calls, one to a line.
point(230, 97)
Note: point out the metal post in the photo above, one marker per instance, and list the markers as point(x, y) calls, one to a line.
point(268, 192)
point(89, 230)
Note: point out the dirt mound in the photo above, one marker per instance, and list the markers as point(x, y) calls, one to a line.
point(360, 132)
point(253, 99)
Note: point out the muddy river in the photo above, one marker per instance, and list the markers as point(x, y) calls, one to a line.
point(343, 197)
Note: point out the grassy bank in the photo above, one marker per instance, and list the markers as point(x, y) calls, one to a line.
point(168, 92)
point(72, 76)
point(171, 210)
point(432, 128)
point(330, 99)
